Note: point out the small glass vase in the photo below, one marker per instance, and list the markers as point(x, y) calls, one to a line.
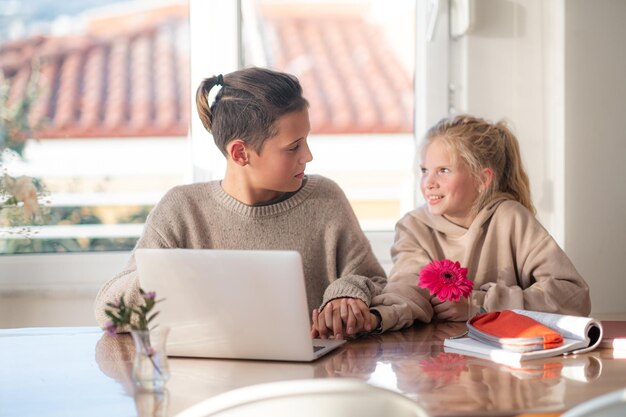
point(152, 403)
point(150, 366)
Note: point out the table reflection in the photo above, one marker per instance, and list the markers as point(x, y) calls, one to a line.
point(411, 362)
point(114, 356)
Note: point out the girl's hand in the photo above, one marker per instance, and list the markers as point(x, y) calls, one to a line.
point(342, 317)
point(451, 310)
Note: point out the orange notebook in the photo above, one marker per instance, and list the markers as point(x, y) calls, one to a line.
point(512, 331)
point(580, 334)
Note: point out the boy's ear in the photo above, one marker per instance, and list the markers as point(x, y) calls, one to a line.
point(238, 152)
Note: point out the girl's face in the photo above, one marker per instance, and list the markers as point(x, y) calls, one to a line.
point(279, 168)
point(449, 188)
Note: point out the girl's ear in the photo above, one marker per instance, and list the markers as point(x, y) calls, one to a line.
point(238, 152)
point(486, 178)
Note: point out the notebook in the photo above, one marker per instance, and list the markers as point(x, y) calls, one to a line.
point(238, 304)
point(579, 334)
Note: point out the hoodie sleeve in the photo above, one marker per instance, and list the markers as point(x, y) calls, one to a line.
point(402, 302)
point(545, 279)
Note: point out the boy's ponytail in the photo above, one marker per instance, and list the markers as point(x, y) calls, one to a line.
point(515, 180)
point(202, 100)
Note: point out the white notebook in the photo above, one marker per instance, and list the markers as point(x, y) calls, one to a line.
point(238, 304)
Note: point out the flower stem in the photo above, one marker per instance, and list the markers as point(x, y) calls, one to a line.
point(154, 364)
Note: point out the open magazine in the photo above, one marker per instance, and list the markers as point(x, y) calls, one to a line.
point(580, 334)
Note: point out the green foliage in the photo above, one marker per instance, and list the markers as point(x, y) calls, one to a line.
point(139, 317)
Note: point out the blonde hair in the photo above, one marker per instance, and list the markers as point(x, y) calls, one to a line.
point(482, 144)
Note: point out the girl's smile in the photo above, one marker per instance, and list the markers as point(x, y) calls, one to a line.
point(447, 184)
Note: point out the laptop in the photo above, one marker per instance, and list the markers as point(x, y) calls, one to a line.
point(237, 304)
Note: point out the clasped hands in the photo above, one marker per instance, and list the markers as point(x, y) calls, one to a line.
point(342, 317)
point(450, 310)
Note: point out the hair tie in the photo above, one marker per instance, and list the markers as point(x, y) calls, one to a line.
point(220, 80)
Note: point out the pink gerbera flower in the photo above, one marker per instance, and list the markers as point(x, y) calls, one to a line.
point(446, 279)
point(445, 366)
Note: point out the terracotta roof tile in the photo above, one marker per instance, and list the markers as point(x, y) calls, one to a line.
point(349, 74)
point(129, 83)
point(93, 90)
point(134, 81)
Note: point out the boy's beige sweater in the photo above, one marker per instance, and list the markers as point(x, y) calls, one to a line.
point(316, 221)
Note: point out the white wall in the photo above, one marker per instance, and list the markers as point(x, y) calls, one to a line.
point(555, 69)
point(500, 70)
point(54, 289)
point(595, 146)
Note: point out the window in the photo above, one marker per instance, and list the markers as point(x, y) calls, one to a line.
point(111, 141)
point(355, 61)
point(95, 119)
point(107, 99)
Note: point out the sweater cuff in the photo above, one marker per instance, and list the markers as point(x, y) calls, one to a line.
point(344, 291)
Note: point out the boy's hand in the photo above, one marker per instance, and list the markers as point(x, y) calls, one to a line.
point(451, 310)
point(342, 317)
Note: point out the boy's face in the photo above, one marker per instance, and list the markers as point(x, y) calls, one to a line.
point(449, 188)
point(280, 166)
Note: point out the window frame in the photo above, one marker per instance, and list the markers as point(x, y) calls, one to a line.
point(85, 272)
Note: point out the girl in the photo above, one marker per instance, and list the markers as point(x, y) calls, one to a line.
point(478, 211)
point(260, 122)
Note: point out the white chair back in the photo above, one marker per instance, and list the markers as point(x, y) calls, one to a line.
point(612, 404)
point(308, 398)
